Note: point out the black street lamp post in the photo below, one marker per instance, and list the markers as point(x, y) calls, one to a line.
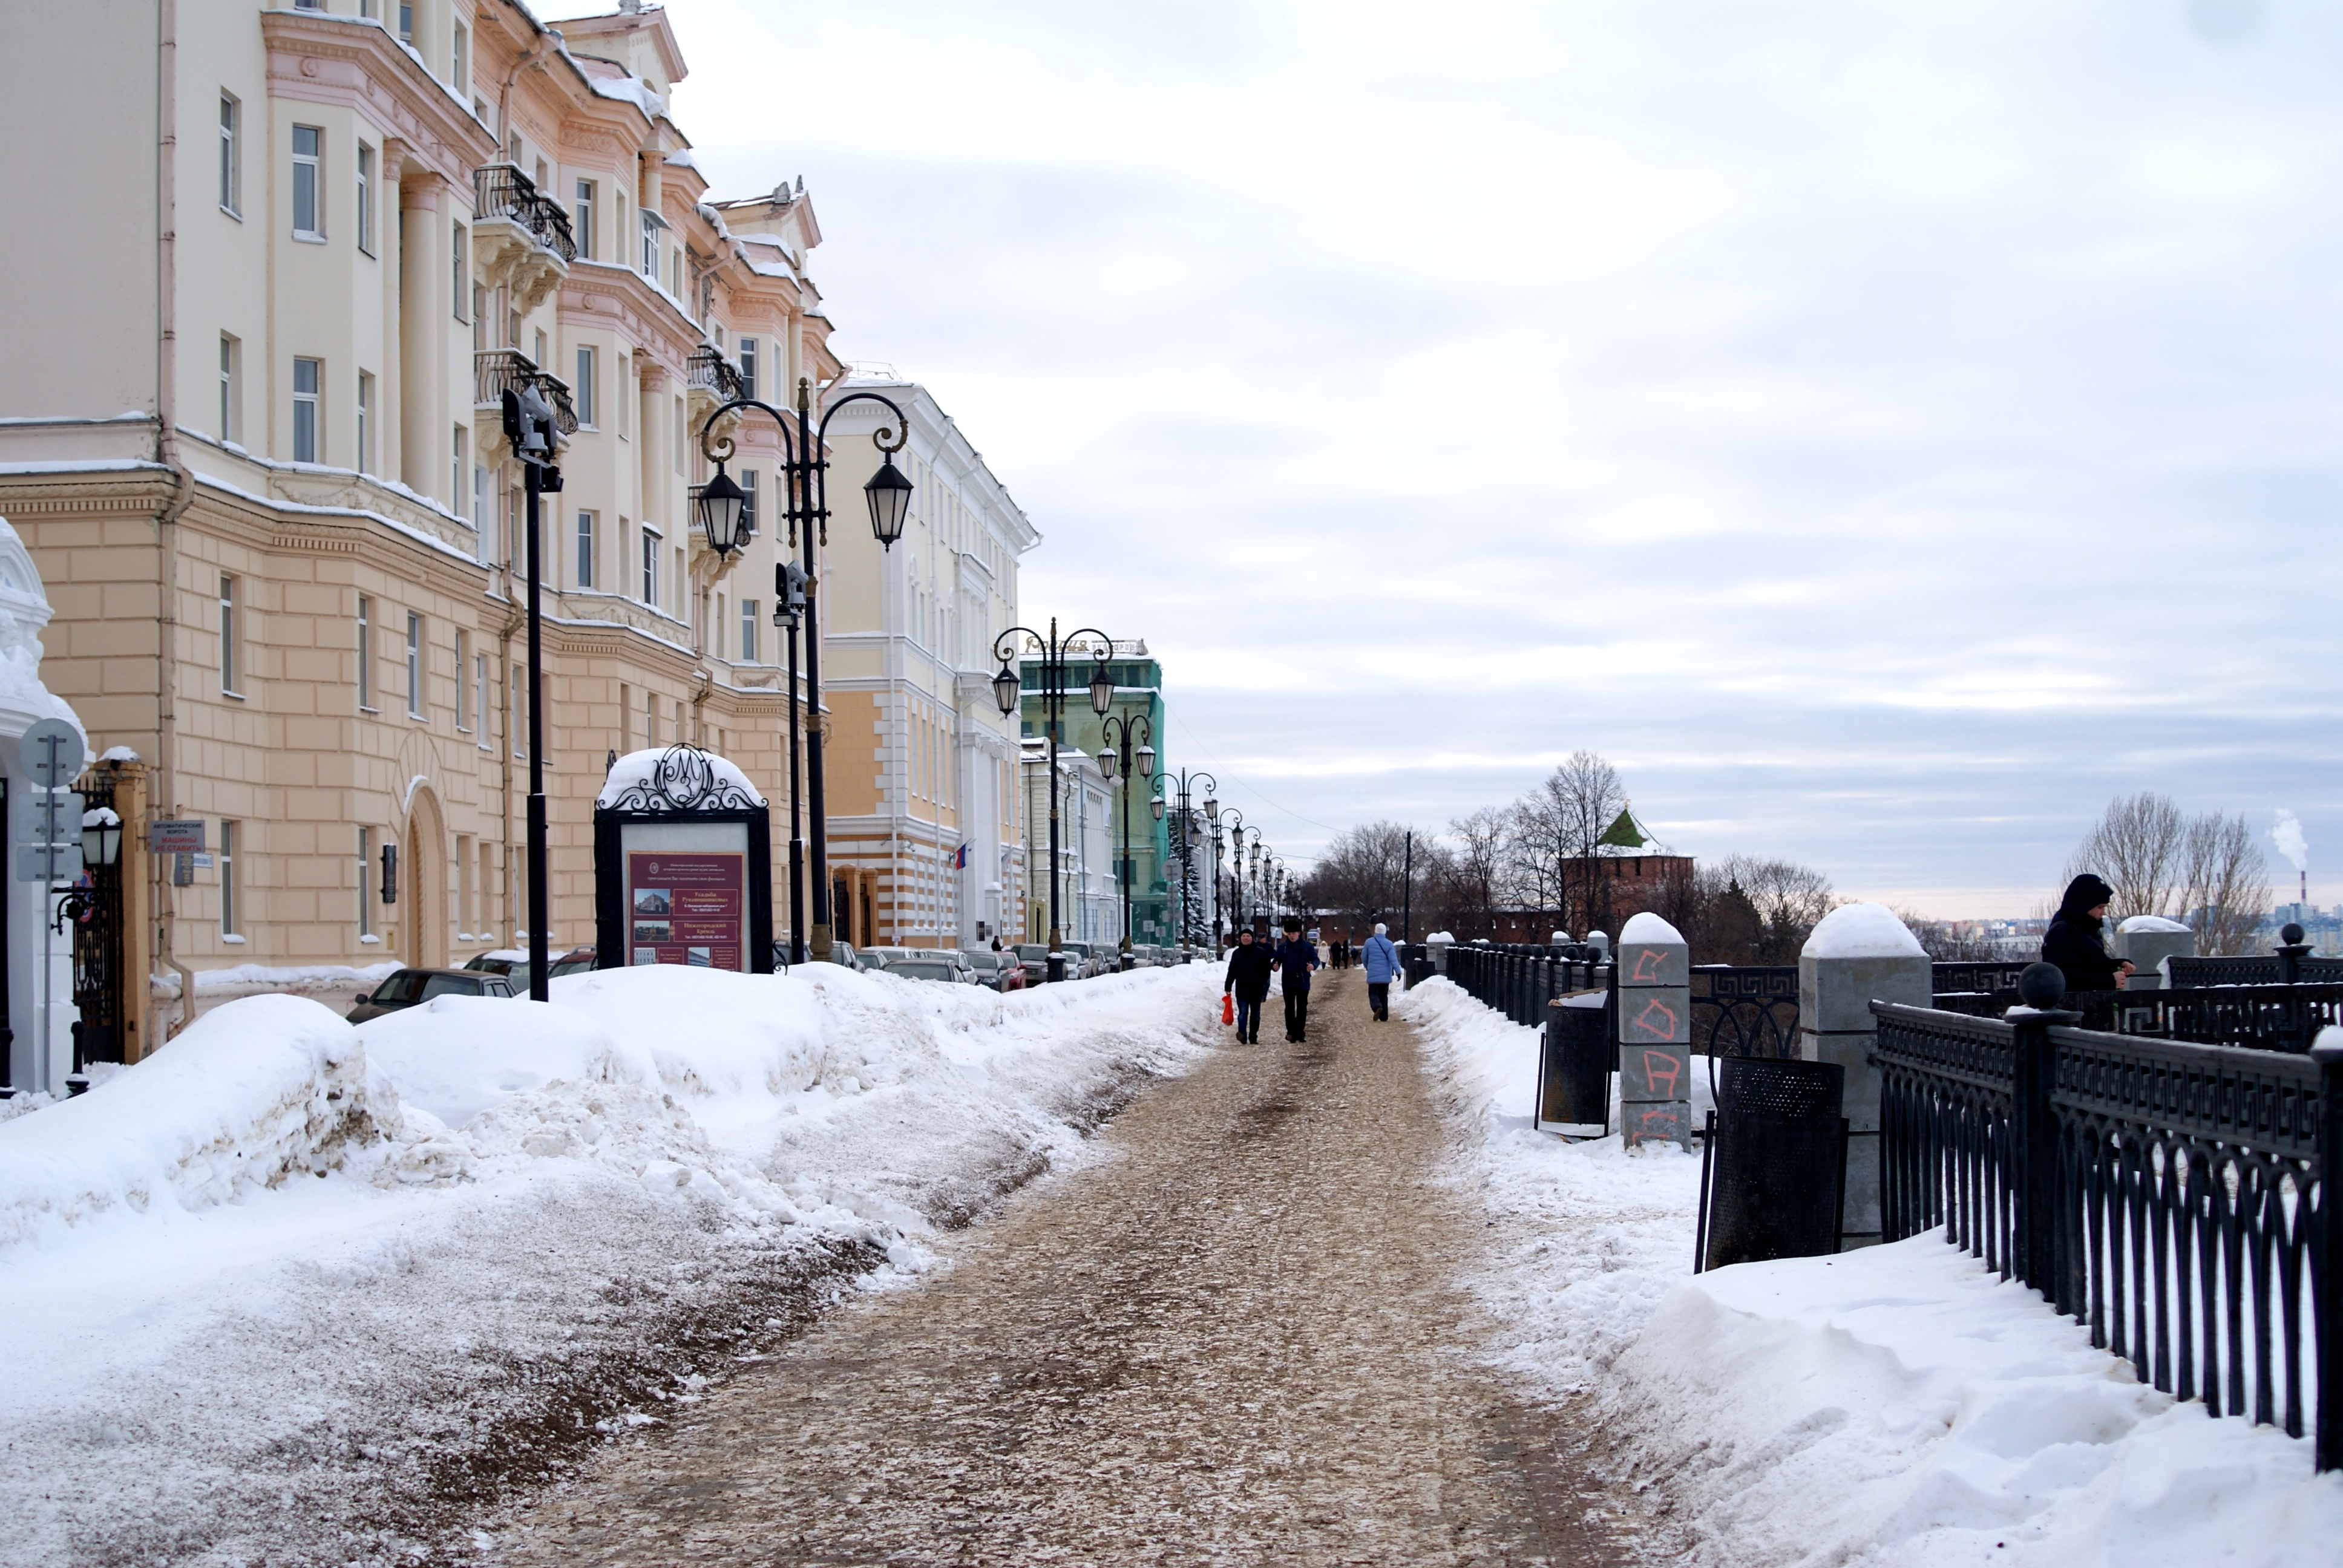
point(530, 427)
point(1007, 690)
point(1116, 730)
point(1235, 903)
point(1181, 785)
point(805, 491)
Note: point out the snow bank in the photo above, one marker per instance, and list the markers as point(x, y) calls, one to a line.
point(1647, 927)
point(1895, 1406)
point(1861, 932)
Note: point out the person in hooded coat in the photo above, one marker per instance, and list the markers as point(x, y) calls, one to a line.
point(2076, 940)
point(1381, 957)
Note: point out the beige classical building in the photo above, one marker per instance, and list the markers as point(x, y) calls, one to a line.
point(925, 844)
point(252, 441)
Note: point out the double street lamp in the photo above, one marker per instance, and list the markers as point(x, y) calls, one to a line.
point(1116, 730)
point(724, 518)
point(1180, 785)
point(1008, 689)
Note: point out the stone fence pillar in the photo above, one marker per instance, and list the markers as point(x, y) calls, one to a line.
point(1437, 944)
point(1859, 954)
point(1654, 1034)
point(2148, 941)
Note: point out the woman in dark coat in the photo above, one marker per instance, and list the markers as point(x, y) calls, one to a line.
point(2077, 941)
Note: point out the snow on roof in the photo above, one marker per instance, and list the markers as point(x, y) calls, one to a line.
point(681, 159)
point(642, 769)
point(118, 754)
point(1861, 932)
point(632, 90)
point(1649, 928)
point(2150, 924)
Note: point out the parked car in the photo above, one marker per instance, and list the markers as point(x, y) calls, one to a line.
point(884, 957)
point(939, 967)
point(1035, 959)
point(996, 971)
point(843, 953)
point(1082, 959)
point(513, 964)
point(407, 988)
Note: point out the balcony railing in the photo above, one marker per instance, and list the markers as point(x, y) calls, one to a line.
point(500, 190)
point(708, 368)
point(496, 370)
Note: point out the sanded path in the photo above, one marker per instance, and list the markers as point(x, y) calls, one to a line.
point(1237, 1341)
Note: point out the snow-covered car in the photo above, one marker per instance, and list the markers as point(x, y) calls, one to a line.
point(407, 988)
point(513, 964)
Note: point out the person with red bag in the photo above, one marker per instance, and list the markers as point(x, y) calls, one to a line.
point(1250, 966)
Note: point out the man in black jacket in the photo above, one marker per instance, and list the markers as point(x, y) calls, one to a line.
point(1297, 955)
point(2075, 943)
point(1248, 980)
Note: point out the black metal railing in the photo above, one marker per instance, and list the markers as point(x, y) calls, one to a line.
point(708, 368)
point(2254, 968)
point(496, 370)
point(2263, 1017)
point(500, 190)
point(2169, 1195)
point(1745, 1010)
point(1519, 981)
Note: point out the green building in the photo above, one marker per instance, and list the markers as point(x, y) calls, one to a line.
point(1138, 700)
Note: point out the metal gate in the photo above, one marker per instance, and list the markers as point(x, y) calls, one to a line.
point(92, 912)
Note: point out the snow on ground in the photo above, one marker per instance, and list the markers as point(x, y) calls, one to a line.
point(1899, 1405)
point(291, 1292)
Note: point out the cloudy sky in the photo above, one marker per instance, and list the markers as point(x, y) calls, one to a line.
point(1885, 432)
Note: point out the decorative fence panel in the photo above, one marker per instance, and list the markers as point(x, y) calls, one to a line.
point(2170, 1195)
point(2265, 1017)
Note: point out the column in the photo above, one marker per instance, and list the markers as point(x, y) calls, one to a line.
point(1654, 1034)
point(1861, 954)
point(424, 307)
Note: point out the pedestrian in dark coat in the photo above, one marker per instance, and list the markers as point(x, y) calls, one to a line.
point(2077, 941)
point(1248, 981)
point(1297, 955)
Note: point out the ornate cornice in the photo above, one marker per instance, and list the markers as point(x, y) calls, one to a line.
point(317, 57)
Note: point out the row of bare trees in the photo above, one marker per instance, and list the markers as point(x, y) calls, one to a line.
point(1541, 853)
point(2205, 871)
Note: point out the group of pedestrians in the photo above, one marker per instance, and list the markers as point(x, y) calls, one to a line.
point(1251, 965)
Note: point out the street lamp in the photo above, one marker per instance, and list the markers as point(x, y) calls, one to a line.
point(101, 837)
point(788, 610)
point(805, 500)
point(1181, 785)
point(721, 504)
point(1006, 686)
point(530, 427)
point(1116, 730)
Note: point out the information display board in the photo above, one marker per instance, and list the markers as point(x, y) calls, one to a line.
point(687, 909)
point(683, 867)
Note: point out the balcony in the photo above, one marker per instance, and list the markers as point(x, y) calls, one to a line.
point(496, 370)
point(711, 381)
point(520, 237)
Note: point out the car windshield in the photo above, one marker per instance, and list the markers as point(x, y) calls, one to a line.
point(921, 968)
point(450, 985)
point(404, 985)
point(1033, 951)
point(981, 960)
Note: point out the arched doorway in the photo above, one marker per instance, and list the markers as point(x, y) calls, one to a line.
point(426, 854)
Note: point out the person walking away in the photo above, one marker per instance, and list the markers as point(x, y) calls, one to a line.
point(1381, 957)
point(2077, 942)
point(1296, 956)
point(1248, 981)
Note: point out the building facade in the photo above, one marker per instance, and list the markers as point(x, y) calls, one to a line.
point(927, 842)
point(255, 444)
point(1089, 900)
point(1139, 703)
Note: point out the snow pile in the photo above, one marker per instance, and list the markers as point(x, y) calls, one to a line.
point(1899, 1406)
point(1861, 932)
point(641, 770)
point(263, 1090)
point(2150, 924)
point(1648, 927)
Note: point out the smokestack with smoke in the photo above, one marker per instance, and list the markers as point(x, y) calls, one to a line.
point(2288, 837)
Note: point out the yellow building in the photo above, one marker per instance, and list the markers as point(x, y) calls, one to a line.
point(252, 441)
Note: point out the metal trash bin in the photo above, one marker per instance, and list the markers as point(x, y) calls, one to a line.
point(1574, 1087)
point(1774, 1174)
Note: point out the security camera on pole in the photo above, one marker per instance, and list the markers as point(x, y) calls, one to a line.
point(530, 427)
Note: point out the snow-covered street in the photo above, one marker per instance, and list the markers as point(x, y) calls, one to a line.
point(289, 1291)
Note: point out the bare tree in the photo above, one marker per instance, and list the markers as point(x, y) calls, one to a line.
point(1361, 876)
point(1574, 804)
point(2223, 883)
point(2135, 847)
point(1480, 861)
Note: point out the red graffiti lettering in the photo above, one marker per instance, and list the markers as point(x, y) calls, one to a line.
point(1664, 1114)
point(1663, 1067)
point(1656, 1022)
point(1647, 967)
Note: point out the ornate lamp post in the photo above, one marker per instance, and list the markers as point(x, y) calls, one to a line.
point(530, 427)
point(1181, 785)
point(1007, 689)
point(1237, 832)
point(805, 491)
point(1116, 730)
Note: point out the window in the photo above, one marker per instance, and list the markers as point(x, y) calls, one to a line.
point(651, 226)
point(366, 884)
point(463, 670)
point(229, 675)
point(747, 631)
point(230, 401)
point(619, 391)
point(650, 719)
point(749, 497)
point(464, 888)
point(460, 289)
point(456, 470)
point(651, 565)
point(306, 375)
point(582, 219)
point(480, 695)
point(308, 194)
point(231, 171)
point(584, 549)
point(515, 718)
point(309, 5)
point(480, 506)
point(748, 367)
point(366, 423)
point(366, 200)
point(406, 22)
point(366, 655)
point(414, 664)
point(487, 880)
point(229, 913)
point(459, 60)
point(585, 388)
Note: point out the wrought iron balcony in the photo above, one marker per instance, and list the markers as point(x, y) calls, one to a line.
point(493, 370)
point(502, 191)
point(708, 369)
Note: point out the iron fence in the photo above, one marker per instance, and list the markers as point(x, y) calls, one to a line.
point(496, 370)
point(2263, 1017)
point(2254, 968)
point(1520, 981)
point(2169, 1194)
point(501, 190)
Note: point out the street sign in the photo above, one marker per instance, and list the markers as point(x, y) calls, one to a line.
point(48, 863)
point(51, 755)
point(51, 818)
point(175, 837)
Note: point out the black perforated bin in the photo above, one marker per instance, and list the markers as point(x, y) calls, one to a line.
point(1574, 1095)
point(1774, 1173)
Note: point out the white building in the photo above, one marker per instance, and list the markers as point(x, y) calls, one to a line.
point(1091, 903)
